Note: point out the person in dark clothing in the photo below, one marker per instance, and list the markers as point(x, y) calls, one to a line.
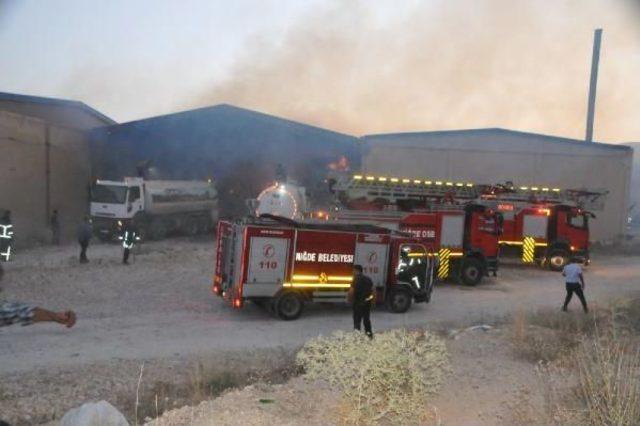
point(363, 296)
point(129, 237)
point(85, 232)
point(55, 228)
point(575, 283)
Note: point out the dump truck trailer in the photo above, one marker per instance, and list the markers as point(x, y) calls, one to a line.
point(156, 207)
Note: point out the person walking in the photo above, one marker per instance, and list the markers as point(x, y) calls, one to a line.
point(574, 280)
point(85, 232)
point(362, 295)
point(55, 228)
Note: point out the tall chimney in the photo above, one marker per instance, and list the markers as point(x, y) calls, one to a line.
point(597, 37)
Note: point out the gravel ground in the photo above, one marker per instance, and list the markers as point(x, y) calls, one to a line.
point(160, 310)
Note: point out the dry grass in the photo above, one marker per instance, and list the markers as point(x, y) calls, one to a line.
point(207, 379)
point(609, 382)
point(589, 365)
point(548, 335)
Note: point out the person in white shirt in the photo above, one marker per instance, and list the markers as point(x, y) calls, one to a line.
point(575, 283)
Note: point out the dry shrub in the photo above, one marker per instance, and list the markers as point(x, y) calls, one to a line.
point(548, 335)
point(536, 343)
point(609, 382)
point(589, 364)
point(385, 379)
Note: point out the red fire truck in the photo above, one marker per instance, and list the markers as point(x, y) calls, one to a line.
point(540, 224)
point(543, 225)
point(443, 215)
point(283, 264)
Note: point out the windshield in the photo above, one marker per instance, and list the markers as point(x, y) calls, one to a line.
point(577, 221)
point(111, 194)
point(412, 265)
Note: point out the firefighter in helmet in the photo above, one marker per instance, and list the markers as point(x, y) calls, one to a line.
point(128, 237)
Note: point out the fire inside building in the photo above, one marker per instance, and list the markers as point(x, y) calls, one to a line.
point(51, 150)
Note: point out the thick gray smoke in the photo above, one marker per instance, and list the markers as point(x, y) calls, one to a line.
point(448, 64)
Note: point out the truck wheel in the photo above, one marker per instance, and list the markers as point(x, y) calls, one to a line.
point(158, 230)
point(105, 238)
point(399, 301)
point(471, 271)
point(204, 224)
point(192, 227)
point(557, 259)
point(289, 305)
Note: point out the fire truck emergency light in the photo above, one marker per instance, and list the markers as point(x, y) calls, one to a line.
point(440, 183)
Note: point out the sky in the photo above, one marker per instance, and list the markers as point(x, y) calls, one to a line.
point(354, 66)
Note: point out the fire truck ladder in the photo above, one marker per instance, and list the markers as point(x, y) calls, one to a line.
point(392, 189)
point(539, 194)
point(434, 194)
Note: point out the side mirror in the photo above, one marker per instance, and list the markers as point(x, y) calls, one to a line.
point(129, 207)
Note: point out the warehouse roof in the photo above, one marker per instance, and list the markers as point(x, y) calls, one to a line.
point(227, 110)
point(494, 131)
point(77, 105)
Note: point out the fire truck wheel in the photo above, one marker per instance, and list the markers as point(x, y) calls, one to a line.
point(399, 301)
point(289, 305)
point(471, 271)
point(557, 259)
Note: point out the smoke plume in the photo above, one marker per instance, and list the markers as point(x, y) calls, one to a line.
point(439, 65)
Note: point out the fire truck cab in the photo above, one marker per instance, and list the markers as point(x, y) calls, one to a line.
point(283, 264)
point(464, 238)
point(549, 234)
point(444, 215)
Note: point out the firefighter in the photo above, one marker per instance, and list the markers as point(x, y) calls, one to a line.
point(129, 237)
point(85, 232)
point(6, 239)
point(362, 298)
point(575, 283)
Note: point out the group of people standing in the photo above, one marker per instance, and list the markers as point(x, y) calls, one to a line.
point(128, 236)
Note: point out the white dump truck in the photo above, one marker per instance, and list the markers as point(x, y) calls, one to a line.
point(156, 207)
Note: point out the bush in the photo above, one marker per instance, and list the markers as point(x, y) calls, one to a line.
point(609, 382)
point(387, 378)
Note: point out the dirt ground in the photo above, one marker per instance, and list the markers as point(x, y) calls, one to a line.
point(160, 311)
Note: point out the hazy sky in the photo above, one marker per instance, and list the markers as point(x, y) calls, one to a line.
point(355, 66)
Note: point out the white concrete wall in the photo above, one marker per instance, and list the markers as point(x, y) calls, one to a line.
point(497, 156)
point(23, 176)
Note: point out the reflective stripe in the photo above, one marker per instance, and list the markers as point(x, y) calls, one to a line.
point(528, 250)
point(443, 268)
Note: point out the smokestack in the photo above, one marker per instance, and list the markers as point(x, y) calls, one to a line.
point(593, 83)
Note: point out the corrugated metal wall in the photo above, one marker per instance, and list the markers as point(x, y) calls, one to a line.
point(498, 156)
point(29, 147)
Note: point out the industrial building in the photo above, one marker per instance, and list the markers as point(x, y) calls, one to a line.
point(499, 155)
point(51, 149)
point(239, 148)
point(44, 163)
